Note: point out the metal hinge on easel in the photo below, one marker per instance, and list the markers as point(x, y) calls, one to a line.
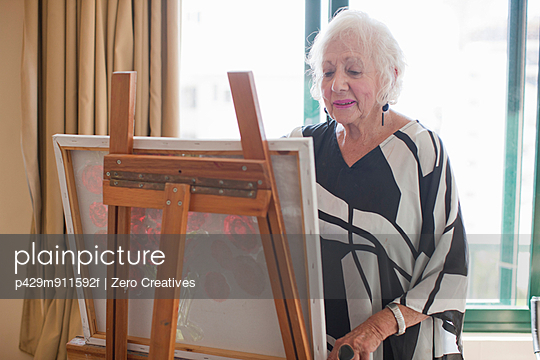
point(223, 187)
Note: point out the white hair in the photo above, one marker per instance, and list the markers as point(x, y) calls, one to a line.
point(374, 40)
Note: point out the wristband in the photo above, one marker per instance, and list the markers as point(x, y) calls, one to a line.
point(399, 318)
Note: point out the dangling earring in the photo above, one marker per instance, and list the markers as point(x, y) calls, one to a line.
point(328, 117)
point(384, 109)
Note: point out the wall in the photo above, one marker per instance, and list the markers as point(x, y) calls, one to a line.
point(15, 209)
point(498, 347)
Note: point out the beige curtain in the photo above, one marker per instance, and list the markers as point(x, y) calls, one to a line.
point(70, 50)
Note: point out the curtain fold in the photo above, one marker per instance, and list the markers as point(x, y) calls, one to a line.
point(170, 70)
point(70, 50)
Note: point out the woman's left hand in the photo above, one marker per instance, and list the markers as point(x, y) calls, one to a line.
point(364, 339)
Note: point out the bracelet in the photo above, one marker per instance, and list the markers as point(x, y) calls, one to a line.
point(399, 318)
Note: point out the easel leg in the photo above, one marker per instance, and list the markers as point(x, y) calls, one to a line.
point(123, 89)
point(286, 299)
point(172, 244)
point(276, 247)
point(119, 220)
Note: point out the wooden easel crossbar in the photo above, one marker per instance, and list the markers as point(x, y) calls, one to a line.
point(179, 185)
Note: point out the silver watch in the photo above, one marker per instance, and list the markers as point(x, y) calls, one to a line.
point(399, 318)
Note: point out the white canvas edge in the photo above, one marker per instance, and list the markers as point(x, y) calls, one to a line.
point(69, 226)
point(304, 146)
point(311, 221)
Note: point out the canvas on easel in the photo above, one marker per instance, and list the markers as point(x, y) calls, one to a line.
point(293, 165)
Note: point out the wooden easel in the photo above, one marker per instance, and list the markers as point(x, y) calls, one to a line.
point(178, 185)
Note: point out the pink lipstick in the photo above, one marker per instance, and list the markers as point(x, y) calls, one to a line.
point(343, 104)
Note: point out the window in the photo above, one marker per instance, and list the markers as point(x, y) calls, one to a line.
point(261, 36)
point(465, 79)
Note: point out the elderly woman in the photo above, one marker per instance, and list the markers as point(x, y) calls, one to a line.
point(393, 244)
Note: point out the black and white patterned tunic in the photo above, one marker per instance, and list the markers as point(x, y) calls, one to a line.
point(391, 231)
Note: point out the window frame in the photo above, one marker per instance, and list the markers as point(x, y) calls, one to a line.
point(501, 318)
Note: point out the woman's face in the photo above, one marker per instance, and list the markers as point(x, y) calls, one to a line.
point(350, 84)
